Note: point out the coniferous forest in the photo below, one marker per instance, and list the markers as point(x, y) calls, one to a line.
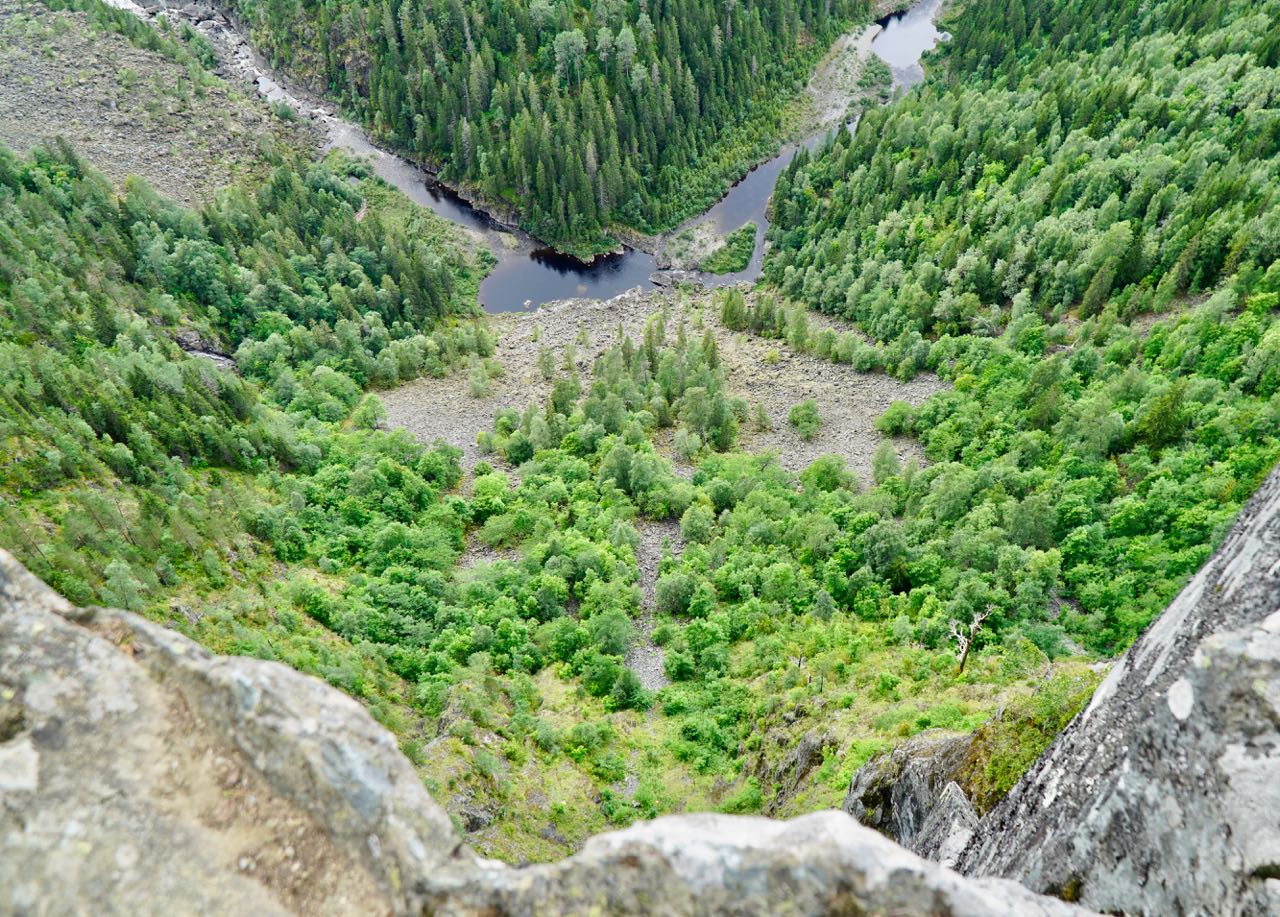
point(579, 117)
point(1070, 231)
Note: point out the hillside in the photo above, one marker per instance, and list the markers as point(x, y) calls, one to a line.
point(1086, 231)
point(1011, 373)
point(132, 100)
point(577, 117)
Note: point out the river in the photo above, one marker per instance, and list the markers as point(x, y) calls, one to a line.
point(526, 277)
point(528, 273)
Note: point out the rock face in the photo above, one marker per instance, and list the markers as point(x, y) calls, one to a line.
point(143, 774)
point(140, 774)
point(911, 796)
point(823, 863)
point(1163, 796)
point(785, 776)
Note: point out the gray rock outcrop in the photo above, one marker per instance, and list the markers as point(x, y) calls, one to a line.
point(948, 827)
point(910, 795)
point(785, 776)
point(1163, 796)
point(823, 863)
point(139, 774)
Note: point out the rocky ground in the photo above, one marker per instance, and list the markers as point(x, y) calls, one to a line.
point(1162, 796)
point(688, 247)
point(139, 774)
point(762, 371)
point(645, 658)
point(127, 110)
point(834, 87)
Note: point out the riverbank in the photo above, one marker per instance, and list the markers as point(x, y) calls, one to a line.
point(830, 99)
point(528, 273)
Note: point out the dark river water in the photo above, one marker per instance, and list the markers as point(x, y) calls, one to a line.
point(528, 275)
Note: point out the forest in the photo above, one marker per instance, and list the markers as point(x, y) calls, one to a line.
point(1019, 222)
point(265, 512)
point(578, 117)
point(1073, 224)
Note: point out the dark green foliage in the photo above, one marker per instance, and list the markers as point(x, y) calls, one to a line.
point(628, 693)
point(133, 469)
point(579, 116)
point(1046, 175)
point(999, 228)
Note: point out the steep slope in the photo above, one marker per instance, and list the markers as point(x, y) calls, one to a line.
point(132, 100)
point(141, 773)
point(1162, 796)
point(1020, 218)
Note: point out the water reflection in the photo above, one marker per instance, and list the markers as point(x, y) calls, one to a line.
point(906, 37)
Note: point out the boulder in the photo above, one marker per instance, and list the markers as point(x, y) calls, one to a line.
point(910, 795)
point(825, 863)
point(140, 774)
point(671, 278)
point(1163, 795)
point(947, 829)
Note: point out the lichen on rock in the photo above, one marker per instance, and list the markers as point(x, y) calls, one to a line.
point(1163, 796)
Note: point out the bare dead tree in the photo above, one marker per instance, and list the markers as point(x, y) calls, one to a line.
point(964, 634)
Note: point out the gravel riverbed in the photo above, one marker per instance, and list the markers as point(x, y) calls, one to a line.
point(762, 371)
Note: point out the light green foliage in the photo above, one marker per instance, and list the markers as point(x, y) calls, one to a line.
point(478, 381)
point(143, 478)
point(885, 464)
point(1080, 465)
point(1003, 749)
point(968, 228)
point(804, 418)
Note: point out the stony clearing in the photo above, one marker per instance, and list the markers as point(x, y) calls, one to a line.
point(762, 371)
point(128, 111)
point(834, 87)
point(687, 248)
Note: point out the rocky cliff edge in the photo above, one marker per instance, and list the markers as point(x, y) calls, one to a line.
point(1163, 795)
point(140, 774)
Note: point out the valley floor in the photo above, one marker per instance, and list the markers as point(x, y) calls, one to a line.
point(762, 371)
